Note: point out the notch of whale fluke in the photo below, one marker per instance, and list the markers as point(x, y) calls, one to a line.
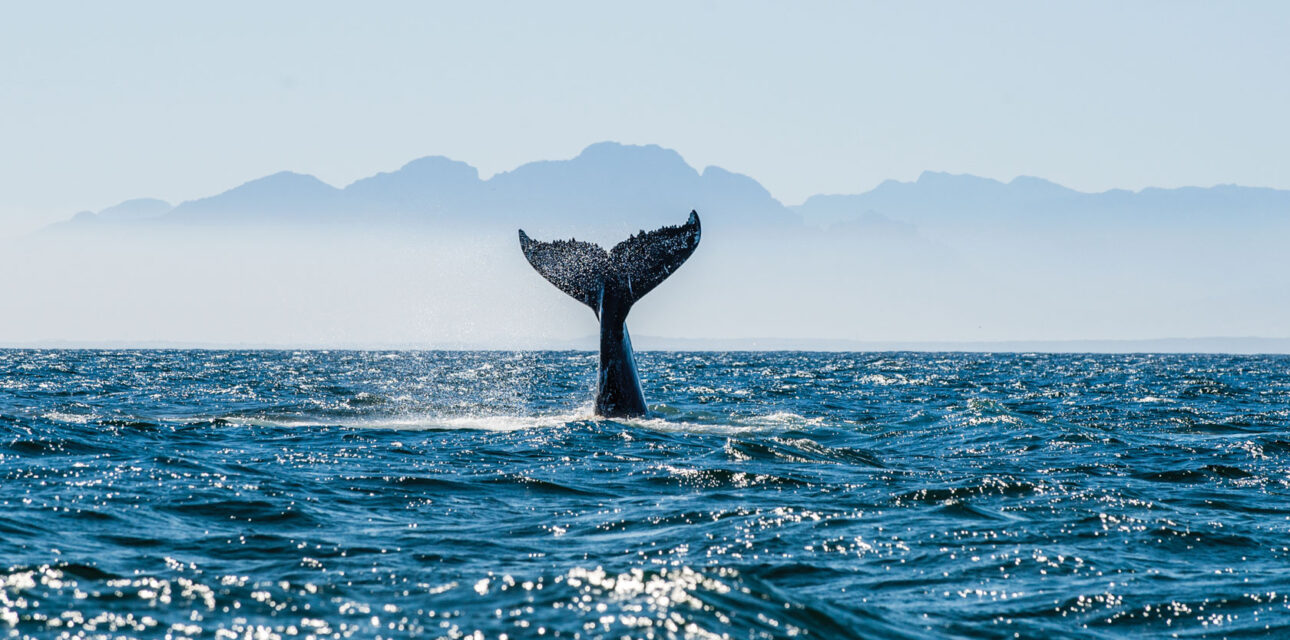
point(610, 282)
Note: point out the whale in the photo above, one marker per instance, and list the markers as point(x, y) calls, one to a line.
point(610, 282)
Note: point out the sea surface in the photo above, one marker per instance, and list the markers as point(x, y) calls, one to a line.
point(267, 494)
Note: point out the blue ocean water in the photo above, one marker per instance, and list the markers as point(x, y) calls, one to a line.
point(223, 494)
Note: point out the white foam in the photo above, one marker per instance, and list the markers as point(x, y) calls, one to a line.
point(786, 417)
point(505, 423)
point(426, 422)
point(73, 418)
point(737, 425)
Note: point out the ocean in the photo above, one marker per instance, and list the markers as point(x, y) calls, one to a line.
point(364, 494)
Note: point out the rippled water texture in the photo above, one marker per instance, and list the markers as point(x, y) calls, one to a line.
point(195, 494)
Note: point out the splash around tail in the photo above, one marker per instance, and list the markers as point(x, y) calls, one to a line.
point(610, 282)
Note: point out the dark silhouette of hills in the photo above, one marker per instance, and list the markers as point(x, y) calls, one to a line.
point(631, 183)
point(134, 210)
point(434, 186)
point(942, 199)
point(608, 184)
point(618, 186)
point(282, 196)
point(129, 211)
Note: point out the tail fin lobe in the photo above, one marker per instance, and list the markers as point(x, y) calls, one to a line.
point(576, 268)
point(635, 265)
point(648, 258)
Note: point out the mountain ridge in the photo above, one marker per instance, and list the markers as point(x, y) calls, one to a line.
point(648, 184)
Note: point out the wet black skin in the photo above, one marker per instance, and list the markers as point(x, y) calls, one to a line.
point(618, 386)
point(610, 283)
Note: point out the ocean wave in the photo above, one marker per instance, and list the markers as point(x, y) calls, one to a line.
point(426, 494)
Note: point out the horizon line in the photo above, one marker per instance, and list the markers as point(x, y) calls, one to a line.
point(1208, 345)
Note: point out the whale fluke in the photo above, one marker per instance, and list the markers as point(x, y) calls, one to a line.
point(574, 267)
point(646, 259)
point(610, 283)
point(637, 264)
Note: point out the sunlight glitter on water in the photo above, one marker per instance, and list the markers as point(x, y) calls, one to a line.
point(453, 495)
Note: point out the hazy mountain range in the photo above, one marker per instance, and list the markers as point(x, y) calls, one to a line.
point(612, 183)
point(607, 181)
point(428, 256)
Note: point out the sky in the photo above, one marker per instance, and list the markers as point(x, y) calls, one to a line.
point(102, 102)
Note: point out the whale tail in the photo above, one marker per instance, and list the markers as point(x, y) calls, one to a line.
point(633, 267)
point(610, 282)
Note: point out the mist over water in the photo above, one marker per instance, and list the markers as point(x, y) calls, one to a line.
point(357, 287)
point(340, 285)
point(191, 494)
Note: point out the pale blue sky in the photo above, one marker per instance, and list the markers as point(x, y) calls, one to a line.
point(100, 102)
